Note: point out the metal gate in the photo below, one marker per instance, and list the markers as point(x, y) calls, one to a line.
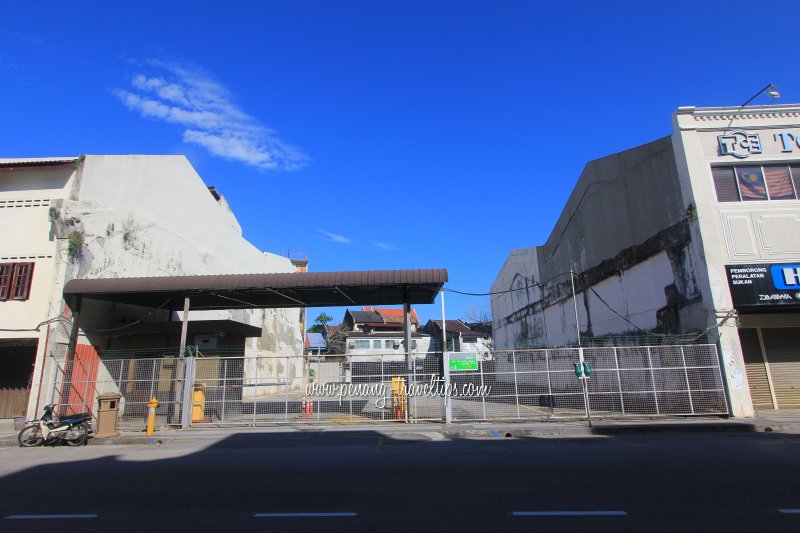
point(626, 382)
point(507, 385)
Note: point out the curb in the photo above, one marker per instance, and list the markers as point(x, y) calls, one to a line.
point(709, 427)
point(441, 432)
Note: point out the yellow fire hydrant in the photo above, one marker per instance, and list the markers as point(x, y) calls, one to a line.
point(151, 415)
point(199, 404)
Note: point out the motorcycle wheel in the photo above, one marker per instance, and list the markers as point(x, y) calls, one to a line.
point(30, 437)
point(76, 435)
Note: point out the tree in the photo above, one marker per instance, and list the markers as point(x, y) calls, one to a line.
point(477, 314)
point(336, 338)
point(320, 323)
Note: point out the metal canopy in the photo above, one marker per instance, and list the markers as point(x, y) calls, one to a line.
point(251, 291)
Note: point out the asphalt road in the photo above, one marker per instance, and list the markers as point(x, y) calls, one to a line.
point(366, 481)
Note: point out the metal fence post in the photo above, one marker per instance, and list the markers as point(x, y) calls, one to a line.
point(516, 387)
point(585, 386)
point(224, 388)
point(448, 406)
point(87, 377)
point(551, 400)
point(188, 389)
point(483, 396)
point(153, 380)
point(619, 383)
point(286, 390)
point(653, 380)
point(255, 389)
point(411, 407)
point(686, 376)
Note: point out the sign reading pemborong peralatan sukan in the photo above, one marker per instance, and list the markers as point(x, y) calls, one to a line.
point(761, 285)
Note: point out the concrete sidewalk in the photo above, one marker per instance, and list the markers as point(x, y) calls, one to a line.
point(772, 421)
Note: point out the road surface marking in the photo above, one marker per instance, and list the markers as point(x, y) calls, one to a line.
point(789, 511)
point(569, 513)
point(302, 515)
point(48, 516)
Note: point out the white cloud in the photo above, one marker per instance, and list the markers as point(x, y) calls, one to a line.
point(383, 246)
point(334, 237)
point(190, 98)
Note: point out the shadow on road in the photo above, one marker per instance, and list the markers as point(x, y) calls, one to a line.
point(371, 481)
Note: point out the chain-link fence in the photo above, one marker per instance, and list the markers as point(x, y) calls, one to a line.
point(79, 383)
point(625, 381)
point(346, 389)
point(507, 385)
point(254, 390)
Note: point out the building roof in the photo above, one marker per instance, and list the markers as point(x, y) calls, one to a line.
point(11, 163)
point(393, 315)
point(454, 327)
point(253, 291)
point(483, 327)
point(451, 325)
point(382, 335)
point(364, 317)
point(315, 341)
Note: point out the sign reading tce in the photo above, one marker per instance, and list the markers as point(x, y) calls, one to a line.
point(741, 144)
point(764, 285)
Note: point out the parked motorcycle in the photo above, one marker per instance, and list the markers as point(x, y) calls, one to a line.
point(50, 429)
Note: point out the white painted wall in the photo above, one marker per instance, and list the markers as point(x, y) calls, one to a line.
point(140, 216)
point(637, 294)
point(25, 196)
point(422, 346)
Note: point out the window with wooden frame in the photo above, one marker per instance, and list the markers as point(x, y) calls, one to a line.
point(15, 281)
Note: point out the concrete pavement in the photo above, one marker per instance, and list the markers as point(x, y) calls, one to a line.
point(769, 421)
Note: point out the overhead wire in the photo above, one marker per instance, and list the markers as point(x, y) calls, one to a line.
point(526, 287)
point(727, 316)
point(39, 325)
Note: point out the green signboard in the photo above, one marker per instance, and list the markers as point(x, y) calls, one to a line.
point(463, 361)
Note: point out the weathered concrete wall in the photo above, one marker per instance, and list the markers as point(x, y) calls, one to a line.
point(520, 270)
point(161, 220)
point(619, 202)
point(154, 216)
point(625, 232)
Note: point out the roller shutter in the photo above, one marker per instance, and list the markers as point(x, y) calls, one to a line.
point(756, 369)
point(783, 353)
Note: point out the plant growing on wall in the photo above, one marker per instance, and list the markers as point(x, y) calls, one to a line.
point(74, 244)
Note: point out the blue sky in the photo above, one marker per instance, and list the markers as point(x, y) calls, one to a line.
point(382, 135)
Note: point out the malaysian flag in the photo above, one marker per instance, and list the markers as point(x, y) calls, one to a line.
point(751, 183)
point(779, 182)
